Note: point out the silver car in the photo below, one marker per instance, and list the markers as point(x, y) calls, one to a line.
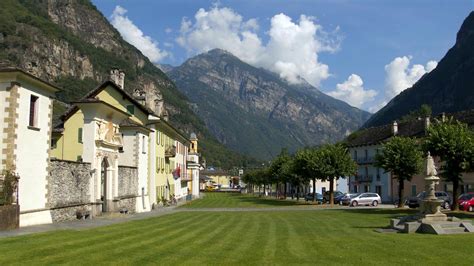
point(367, 198)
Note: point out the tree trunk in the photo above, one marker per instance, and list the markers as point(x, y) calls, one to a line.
point(455, 206)
point(314, 189)
point(400, 193)
point(331, 191)
point(286, 187)
point(298, 193)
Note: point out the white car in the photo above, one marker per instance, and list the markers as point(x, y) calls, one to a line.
point(367, 198)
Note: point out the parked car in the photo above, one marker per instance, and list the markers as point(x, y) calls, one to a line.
point(466, 202)
point(346, 199)
point(336, 195)
point(309, 197)
point(415, 202)
point(367, 198)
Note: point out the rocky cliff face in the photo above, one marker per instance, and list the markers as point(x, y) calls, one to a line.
point(72, 44)
point(254, 111)
point(448, 88)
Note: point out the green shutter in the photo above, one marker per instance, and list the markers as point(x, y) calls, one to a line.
point(79, 135)
point(131, 109)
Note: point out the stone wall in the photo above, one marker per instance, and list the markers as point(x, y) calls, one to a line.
point(68, 189)
point(127, 187)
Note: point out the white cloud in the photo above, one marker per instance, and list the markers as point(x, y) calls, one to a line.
point(352, 91)
point(400, 76)
point(132, 34)
point(292, 49)
point(168, 30)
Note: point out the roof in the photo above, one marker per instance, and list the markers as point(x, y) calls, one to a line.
point(171, 127)
point(95, 101)
point(90, 95)
point(129, 123)
point(9, 69)
point(411, 128)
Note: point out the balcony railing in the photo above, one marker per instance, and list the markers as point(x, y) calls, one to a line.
point(170, 151)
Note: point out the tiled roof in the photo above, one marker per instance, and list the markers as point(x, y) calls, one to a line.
point(412, 128)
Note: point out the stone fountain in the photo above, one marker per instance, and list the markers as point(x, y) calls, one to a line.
point(430, 209)
point(430, 219)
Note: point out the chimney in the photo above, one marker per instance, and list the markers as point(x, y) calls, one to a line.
point(394, 128)
point(140, 96)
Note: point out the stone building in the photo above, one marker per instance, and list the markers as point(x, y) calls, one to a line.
point(108, 152)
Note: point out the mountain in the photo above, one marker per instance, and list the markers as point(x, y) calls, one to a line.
point(253, 111)
point(448, 88)
point(73, 45)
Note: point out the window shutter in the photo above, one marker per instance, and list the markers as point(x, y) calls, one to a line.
point(79, 135)
point(131, 109)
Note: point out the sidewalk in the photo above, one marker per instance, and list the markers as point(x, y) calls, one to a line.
point(89, 223)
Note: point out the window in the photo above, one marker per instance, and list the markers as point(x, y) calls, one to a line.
point(356, 189)
point(158, 162)
point(79, 135)
point(378, 190)
point(33, 111)
point(355, 155)
point(143, 144)
point(367, 188)
point(131, 109)
point(366, 154)
point(413, 190)
point(378, 174)
point(54, 143)
point(158, 135)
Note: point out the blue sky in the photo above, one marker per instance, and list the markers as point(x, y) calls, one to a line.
point(363, 52)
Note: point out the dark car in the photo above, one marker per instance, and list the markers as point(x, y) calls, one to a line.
point(337, 196)
point(309, 197)
point(414, 202)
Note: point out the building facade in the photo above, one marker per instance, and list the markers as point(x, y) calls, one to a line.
point(364, 145)
point(108, 152)
point(25, 129)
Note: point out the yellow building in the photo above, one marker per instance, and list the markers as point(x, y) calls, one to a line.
point(171, 179)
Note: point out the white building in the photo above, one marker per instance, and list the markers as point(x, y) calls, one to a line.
point(25, 130)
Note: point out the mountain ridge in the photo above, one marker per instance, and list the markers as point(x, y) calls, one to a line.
point(282, 115)
point(447, 88)
point(73, 45)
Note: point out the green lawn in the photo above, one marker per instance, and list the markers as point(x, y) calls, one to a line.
point(258, 237)
point(237, 200)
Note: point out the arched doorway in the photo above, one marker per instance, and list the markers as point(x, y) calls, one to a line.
point(103, 183)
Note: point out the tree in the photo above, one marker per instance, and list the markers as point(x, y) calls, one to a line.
point(276, 169)
point(338, 163)
point(308, 165)
point(402, 157)
point(453, 143)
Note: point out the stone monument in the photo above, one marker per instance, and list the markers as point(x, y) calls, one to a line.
point(430, 219)
point(430, 209)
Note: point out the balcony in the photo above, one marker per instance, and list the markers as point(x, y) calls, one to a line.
point(170, 151)
point(364, 178)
